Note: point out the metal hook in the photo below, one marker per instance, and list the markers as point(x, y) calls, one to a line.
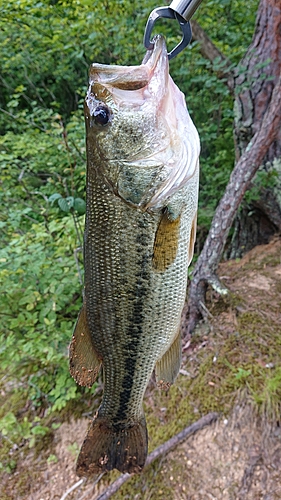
point(166, 12)
point(182, 11)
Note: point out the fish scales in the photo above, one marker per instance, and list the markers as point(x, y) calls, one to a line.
point(129, 298)
point(137, 246)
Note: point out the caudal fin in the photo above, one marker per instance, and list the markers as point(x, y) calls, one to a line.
point(108, 447)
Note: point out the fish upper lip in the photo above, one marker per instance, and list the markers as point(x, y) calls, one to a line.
point(130, 77)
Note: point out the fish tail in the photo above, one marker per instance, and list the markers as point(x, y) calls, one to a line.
point(108, 446)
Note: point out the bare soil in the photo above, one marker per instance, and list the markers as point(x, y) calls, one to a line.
point(238, 457)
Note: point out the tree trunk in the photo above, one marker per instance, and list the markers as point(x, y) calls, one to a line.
point(257, 86)
point(261, 69)
point(240, 179)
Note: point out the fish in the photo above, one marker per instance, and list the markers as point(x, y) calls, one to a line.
point(140, 226)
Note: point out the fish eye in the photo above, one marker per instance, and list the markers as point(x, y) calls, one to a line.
point(101, 114)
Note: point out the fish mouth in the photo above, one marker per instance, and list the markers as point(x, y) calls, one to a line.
point(154, 67)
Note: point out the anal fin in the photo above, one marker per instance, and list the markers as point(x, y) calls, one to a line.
point(166, 242)
point(167, 369)
point(84, 362)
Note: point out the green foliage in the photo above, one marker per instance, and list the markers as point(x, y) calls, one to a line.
point(52, 459)
point(41, 297)
point(40, 300)
point(242, 374)
point(263, 179)
point(10, 426)
point(9, 466)
point(46, 49)
point(268, 396)
point(68, 203)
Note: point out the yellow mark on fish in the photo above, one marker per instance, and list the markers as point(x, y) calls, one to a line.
point(166, 242)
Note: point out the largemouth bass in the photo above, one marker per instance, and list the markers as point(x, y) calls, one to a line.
point(142, 190)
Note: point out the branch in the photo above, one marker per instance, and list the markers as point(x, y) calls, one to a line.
point(242, 174)
point(209, 50)
point(72, 488)
point(79, 483)
point(163, 449)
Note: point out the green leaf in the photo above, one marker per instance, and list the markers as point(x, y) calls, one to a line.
point(63, 204)
point(70, 201)
point(54, 197)
point(52, 459)
point(79, 205)
point(241, 373)
point(40, 430)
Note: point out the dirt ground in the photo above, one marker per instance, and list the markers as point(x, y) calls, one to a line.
point(236, 458)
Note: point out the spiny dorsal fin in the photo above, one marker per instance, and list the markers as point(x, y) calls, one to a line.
point(83, 360)
point(167, 369)
point(192, 239)
point(166, 242)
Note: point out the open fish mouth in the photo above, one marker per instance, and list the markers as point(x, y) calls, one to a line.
point(154, 70)
point(169, 139)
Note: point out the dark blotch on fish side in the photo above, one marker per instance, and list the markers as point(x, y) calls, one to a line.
point(135, 330)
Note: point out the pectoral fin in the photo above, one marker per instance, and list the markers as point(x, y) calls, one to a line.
point(192, 239)
point(166, 242)
point(167, 369)
point(83, 360)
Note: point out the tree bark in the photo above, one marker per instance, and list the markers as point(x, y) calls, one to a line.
point(256, 77)
point(253, 87)
point(257, 88)
point(245, 169)
point(252, 83)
